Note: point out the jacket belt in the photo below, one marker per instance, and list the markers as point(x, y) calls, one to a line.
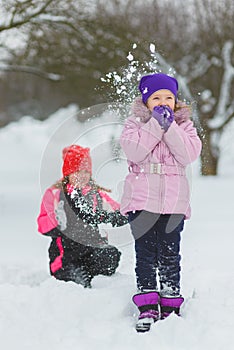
point(157, 168)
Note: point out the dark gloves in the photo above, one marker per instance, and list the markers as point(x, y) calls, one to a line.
point(164, 115)
point(116, 219)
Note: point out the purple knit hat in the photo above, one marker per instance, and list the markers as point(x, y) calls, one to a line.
point(154, 82)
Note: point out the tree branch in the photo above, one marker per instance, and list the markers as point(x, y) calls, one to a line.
point(32, 70)
point(224, 114)
point(26, 19)
point(230, 114)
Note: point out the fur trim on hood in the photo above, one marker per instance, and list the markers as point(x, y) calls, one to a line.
point(183, 112)
point(139, 110)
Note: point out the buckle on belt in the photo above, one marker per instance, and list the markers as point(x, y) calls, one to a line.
point(156, 168)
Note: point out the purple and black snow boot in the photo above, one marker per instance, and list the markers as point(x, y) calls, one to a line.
point(147, 304)
point(169, 305)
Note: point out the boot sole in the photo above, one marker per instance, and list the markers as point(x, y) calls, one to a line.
point(143, 325)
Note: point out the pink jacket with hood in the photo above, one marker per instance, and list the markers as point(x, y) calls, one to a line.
point(157, 161)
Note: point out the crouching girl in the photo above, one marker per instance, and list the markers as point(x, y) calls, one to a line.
point(70, 213)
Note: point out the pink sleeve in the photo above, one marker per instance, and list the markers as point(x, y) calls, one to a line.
point(46, 220)
point(139, 139)
point(183, 142)
point(114, 205)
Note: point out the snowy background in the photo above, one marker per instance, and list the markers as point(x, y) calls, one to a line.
point(37, 312)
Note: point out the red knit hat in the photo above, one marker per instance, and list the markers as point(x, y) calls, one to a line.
point(76, 158)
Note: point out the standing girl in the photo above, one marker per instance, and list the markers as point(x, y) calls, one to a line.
point(159, 140)
point(70, 213)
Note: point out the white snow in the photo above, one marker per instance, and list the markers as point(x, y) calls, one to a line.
point(152, 48)
point(37, 312)
point(130, 57)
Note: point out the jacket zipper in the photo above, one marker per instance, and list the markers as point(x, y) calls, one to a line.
point(161, 183)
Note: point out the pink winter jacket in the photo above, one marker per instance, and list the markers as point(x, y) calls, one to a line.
point(157, 160)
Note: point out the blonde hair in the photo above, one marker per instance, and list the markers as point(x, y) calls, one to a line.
point(62, 184)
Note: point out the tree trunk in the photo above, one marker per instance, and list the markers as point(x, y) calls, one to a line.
point(209, 162)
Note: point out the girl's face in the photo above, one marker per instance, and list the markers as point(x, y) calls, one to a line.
point(79, 179)
point(161, 98)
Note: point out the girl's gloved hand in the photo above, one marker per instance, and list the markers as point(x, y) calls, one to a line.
point(164, 115)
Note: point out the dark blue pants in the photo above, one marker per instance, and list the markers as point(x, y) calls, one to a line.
point(157, 246)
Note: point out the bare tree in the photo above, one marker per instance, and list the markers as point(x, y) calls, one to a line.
point(22, 12)
point(29, 16)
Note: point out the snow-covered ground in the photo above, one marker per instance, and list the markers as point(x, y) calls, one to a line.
point(37, 312)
